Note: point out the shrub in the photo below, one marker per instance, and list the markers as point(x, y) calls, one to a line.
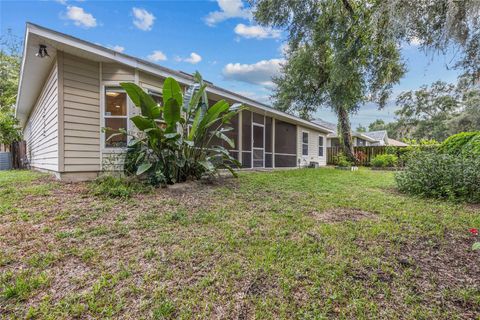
point(117, 187)
point(462, 144)
point(441, 175)
point(181, 140)
point(385, 160)
point(341, 160)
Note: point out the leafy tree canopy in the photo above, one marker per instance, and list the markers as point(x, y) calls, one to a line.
point(10, 60)
point(336, 57)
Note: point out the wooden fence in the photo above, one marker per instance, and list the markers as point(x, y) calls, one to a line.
point(364, 154)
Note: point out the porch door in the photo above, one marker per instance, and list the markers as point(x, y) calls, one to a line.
point(258, 138)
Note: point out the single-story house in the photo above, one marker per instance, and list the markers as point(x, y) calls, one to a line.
point(69, 90)
point(360, 139)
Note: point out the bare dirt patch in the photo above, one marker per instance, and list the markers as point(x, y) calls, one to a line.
point(442, 272)
point(343, 214)
point(447, 266)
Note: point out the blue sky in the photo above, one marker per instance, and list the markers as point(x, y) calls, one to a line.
point(217, 38)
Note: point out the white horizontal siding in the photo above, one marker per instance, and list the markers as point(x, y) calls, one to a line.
point(41, 129)
point(313, 146)
point(81, 102)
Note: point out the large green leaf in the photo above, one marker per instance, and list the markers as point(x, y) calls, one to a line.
point(172, 90)
point(171, 112)
point(143, 123)
point(213, 113)
point(223, 137)
point(142, 100)
point(196, 122)
point(143, 168)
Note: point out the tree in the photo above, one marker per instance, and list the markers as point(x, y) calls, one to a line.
point(10, 60)
point(361, 128)
point(439, 110)
point(377, 125)
point(437, 26)
point(336, 57)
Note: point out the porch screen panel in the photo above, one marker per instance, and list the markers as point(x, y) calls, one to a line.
point(268, 142)
point(246, 139)
point(282, 161)
point(268, 160)
point(258, 118)
point(247, 130)
point(285, 144)
point(246, 159)
point(268, 134)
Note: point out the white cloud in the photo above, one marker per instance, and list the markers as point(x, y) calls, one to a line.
point(415, 41)
point(118, 48)
point(64, 2)
point(259, 73)
point(284, 48)
point(228, 9)
point(157, 55)
point(80, 17)
point(256, 32)
point(194, 58)
point(143, 19)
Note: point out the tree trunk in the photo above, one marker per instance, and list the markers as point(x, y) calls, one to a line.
point(346, 133)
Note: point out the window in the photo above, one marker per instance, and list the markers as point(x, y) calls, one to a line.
point(320, 146)
point(305, 143)
point(116, 118)
point(361, 142)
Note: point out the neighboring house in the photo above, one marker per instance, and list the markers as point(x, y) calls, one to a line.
point(360, 139)
point(333, 140)
point(66, 98)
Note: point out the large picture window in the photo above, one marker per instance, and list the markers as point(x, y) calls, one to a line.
point(116, 118)
point(320, 146)
point(305, 143)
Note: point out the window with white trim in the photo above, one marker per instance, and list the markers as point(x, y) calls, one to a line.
point(116, 117)
point(320, 146)
point(305, 143)
point(156, 96)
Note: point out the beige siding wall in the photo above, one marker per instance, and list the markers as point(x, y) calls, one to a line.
point(313, 146)
point(149, 81)
point(81, 114)
point(117, 72)
point(41, 129)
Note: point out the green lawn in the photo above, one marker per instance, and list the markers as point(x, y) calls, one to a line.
point(307, 244)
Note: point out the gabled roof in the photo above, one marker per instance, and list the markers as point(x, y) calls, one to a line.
point(396, 143)
point(35, 70)
point(334, 134)
point(377, 135)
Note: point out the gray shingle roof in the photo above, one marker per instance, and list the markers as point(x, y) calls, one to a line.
point(328, 125)
point(376, 135)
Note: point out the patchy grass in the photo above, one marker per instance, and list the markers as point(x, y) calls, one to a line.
point(309, 244)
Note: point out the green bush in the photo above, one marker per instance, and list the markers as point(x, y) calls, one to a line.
point(462, 144)
point(341, 161)
point(117, 187)
point(385, 160)
point(441, 175)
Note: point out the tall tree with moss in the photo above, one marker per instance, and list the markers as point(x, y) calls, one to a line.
point(335, 58)
point(344, 53)
point(10, 61)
